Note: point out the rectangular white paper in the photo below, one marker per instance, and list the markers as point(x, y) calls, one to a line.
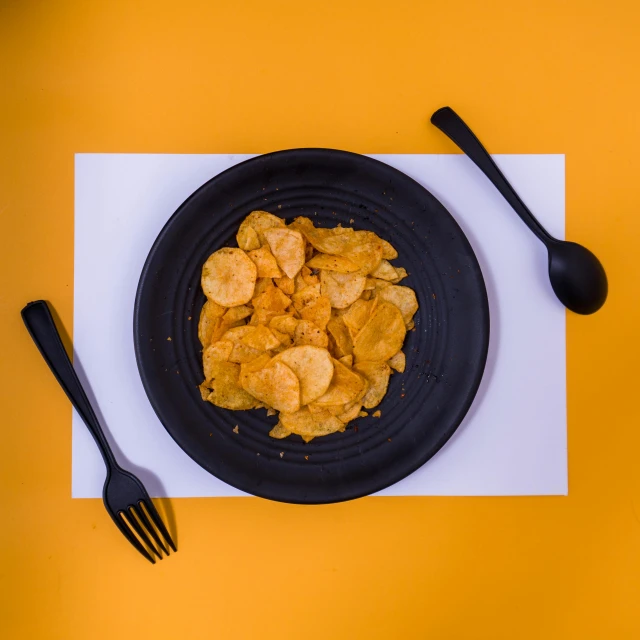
point(512, 442)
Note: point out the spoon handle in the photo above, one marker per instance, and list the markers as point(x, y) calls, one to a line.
point(450, 123)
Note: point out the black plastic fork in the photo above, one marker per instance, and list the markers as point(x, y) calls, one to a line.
point(124, 496)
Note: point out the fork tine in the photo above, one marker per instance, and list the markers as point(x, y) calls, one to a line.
point(139, 511)
point(128, 534)
point(133, 521)
point(157, 520)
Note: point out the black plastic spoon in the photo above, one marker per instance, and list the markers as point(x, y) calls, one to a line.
point(577, 276)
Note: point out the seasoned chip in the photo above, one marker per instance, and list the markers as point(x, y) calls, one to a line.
point(398, 362)
point(262, 284)
point(272, 300)
point(287, 246)
point(318, 312)
point(285, 324)
point(333, 241)
point(285, 340)
point(351, 412)
point(236, 313)
point(332, 263)
point(265, 263)
point(403, 298)
point(347, 361)
point(344, 388)
point(367, 256)
point(285, 284)
point(341, 336)
point(356, 316)
point(382, 336)
point(377, 374)
point(241, 353)
point(236, 334)
point(342, 289)
point(366, 295)
point(247, 238)
point(211, 312)
point(226, 392)
point(279, 432)
point(229, 277)
point(401, 274)
point(276, 385)
point(260, 338)
point(388, 252)
point(260, 362)
point(310, 425)
point(307, 333)
point(220, 350)
point(306, 296)
point(385, 271)
point(314, 369)
point(259, 221)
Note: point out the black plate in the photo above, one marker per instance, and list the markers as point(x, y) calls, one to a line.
point(446, 353)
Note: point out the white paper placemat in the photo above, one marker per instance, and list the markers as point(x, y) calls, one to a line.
point(512, 442)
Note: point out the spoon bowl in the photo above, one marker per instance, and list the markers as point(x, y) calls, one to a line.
point(577, 277)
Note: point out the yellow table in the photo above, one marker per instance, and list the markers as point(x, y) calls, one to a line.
point(227, 76)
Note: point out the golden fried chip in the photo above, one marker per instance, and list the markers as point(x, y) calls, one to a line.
point(276, 385)
point(262, 284)
point(367, 255)
point(225, 389)
point(401, 274)
point(229, 277)
point(332, 263)
point(356, 316)
point(260, 338)
point(377, 374)
point(333, 241)
point(403, 298)
point(287, 245)
point(260, 362)
point(272, 300)
point(314, 369)
point(308, 276)
point(398, 362)
point(265, 263)
point(388, 252)
point(285, 340)
point(259, 221)
point(351, 412)
point(310, 425)
point(306, 296)
point(344, 388)
point(347, 361)
point(242, 354)
point(382, 336)
point(279, 432)
point(341, 336)
point(385, 271)
point(318, 312)
point(284, 323)
point(236, 313)
point(366, 295)
point(342, 289)
point(205, 392)
point(220, 350)
point(307, 333)
point(210, 313)
point(236, 334)
point(247, 238)
point(221, 327)
point(285, 284)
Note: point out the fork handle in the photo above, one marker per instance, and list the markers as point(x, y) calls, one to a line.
point(43, 330)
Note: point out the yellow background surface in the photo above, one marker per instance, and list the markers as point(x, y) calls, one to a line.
point(231, 76)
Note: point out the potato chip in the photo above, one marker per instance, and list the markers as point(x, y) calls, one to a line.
point(226, 392)
point(344, 388)
point(272, 300)
point(236, 334)
point(307, 333)
point(398, 362)
point(247, 238)
point(351, 412)
point(314, 369)
point(260, 362)
point(265, 263)
point(310, 425)
point(388, 252)
point(205, 392)
point(285, 340)
point(287, 245)
point(318, 312)
point(236, 313)
point(341, 336)
point(401, 274)
point(347, 361)
point(284, 323)
point(261, 338)
point(356, 316)
point(276, 385)
point(306, 296)
point(385, 271)
point(259, 221)
point(279, 432)
point(332, 263)
point(220, 350)
point(262, 284)
point(222, 327)
point(210, 313)
point(229, 277)
point(377, 374)
point(242, 354)
point(367, 256)
point(309, 276)
point(382, 336)
point(403, 298)
point(366, 295)
point(342, 289)
point(333, 241)
point(285, 284)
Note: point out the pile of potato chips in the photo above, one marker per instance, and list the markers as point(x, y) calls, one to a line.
point(304, 322)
